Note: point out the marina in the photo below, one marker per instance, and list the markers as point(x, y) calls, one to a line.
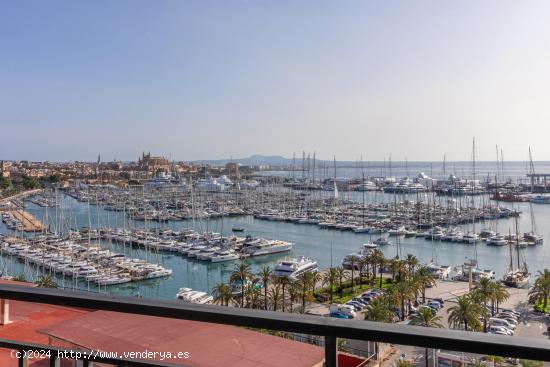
point(208, 266)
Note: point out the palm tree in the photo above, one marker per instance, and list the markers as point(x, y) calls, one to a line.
point(341, 274)
point(426, 318)
point(424, 279)
point(222, 294)
point(399, 268)
point(274, 295)
point(284, 282)
point(241, 273)
point(379, 310)
point(316, 278)
point(329, 278)
point(380, 261)
point(293, 293)
point(46, 281)
point(484, 292)
point(541, 289)
point(353, 260)
point(412, 262)
point(499, 295)
point(305, 280)
point(403, 292)
point(465, 314)
point(364, 263)
point(252, 294)
point(265, 275)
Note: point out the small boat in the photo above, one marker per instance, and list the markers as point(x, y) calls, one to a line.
point(237, 229)
point(382, 241)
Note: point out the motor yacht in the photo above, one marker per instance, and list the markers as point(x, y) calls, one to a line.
point(292, 268)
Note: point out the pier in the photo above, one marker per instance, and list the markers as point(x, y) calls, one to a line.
point(29, 221)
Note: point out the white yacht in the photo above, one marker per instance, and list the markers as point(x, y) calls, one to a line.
point(470, 237)
point(265, 247)
point(292, 268)
point(382, 241)
point(189, 295)
point(224, 255)
point(497, 240)
point(364, 251)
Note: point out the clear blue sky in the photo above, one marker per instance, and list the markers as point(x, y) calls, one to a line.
point(214, 79)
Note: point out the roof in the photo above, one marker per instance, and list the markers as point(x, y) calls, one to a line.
point(208, 344)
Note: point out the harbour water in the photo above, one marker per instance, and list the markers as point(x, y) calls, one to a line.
point(324, 245)
point(514, 170)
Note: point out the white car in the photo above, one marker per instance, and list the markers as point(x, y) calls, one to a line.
point(500, 330)
point(494, 321)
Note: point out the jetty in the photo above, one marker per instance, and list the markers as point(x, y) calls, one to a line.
point(30, 222)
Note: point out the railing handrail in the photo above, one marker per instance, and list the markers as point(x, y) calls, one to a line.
point(472, 342)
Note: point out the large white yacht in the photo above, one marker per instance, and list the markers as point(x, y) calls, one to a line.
point(224, 255)
point(292, 268)
point(264, 247)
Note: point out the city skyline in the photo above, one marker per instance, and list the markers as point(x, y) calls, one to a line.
point(201, 81)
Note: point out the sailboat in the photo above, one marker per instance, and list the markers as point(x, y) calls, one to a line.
point(519, 277)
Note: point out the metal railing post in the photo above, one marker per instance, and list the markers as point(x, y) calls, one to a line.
point(331, 351)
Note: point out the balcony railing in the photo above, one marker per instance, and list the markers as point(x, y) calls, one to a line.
point(329, 328)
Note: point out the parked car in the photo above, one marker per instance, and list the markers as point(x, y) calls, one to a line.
point(358, 306)
point(492, 329)
point(435, 305)
point(494, 321)
point(434, 311)
point(505, 314)
point(360, 300)
point(511, 311)
point(340, 315)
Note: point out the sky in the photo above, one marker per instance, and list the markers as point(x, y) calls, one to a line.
point(218, 79)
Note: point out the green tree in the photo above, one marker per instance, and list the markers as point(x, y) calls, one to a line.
point(541, 289)
point(412, 262)
point(423, 279)
point(341, 274)
point(222, 294)
point(265, 275)
point(426, 318)
point(46, 281)
point(465, 314)
point(305, 280)
point(353, 261)
point(293, 294)
point(284, 281)
point(483, 293)
point(379, 310)
point(241, 274)
point(329, 278)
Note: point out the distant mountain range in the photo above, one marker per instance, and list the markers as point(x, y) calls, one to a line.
point(253, 160)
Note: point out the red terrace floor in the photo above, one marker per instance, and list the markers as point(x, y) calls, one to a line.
point(26, 318)
point(209, 345)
